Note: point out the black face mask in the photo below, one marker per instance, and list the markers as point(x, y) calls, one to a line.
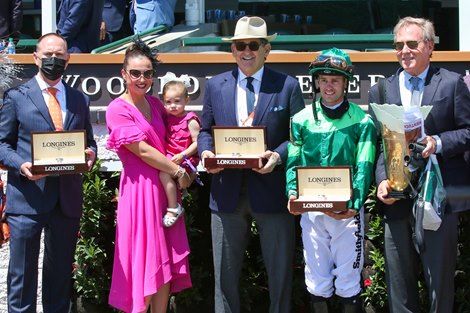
point(52, 68)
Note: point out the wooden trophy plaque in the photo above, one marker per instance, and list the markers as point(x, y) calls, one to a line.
point(322, 189)
point(58, 152)
point(237, 147)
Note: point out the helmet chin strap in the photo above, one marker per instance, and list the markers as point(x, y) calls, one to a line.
point(347, 88)
point(315, 90)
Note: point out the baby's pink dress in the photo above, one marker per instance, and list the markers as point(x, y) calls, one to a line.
point(179, 136)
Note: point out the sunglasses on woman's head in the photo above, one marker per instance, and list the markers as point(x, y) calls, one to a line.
point(252, 45)
point(413, 44)
point(136, 74)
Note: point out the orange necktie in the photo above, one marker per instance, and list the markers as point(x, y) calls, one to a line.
point(54, 109)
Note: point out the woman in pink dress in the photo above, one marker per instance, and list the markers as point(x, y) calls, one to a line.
point(150, 261)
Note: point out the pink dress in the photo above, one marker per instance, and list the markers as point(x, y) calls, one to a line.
point(147, 255)
point(179, 137)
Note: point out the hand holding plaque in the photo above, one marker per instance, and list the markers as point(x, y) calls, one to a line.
point(326, 188)
point(237, 147)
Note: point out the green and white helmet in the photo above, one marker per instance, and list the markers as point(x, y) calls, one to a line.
point(332, 62)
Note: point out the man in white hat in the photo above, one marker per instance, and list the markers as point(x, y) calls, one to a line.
point(251, 95)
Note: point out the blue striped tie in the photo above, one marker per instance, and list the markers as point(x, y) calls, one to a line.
point(250, 95)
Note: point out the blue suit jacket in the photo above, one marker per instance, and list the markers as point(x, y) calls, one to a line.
point(449, 118)
point(280, 97)
point(79, 23)
point(113, 14)
point(24, 110)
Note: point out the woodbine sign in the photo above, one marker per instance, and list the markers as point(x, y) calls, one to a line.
point(99, 76)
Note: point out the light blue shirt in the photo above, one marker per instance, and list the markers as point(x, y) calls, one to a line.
point(242, 114)
point(145, 15)
point(406, 88)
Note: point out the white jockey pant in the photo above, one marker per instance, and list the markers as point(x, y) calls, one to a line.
point(333, 253)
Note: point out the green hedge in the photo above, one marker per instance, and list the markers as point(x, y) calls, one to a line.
point(95, 253)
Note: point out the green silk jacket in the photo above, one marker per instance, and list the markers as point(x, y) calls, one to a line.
point(347, 141)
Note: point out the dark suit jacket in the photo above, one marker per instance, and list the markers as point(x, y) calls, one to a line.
point(113, 14)
point(449, 118)
point(467, 80)
point(79, 23)
point(24, 110)
point(11, 18)
point(280, 97)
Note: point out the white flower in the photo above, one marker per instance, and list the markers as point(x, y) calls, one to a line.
point(8, 71)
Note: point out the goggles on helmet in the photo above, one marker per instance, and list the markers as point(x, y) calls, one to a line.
point(328, 61)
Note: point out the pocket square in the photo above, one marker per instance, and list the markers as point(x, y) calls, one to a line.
point(276, 108)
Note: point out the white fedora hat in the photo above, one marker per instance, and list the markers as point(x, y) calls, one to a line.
point(249, 27)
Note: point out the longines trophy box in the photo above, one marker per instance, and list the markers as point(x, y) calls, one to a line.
point(237, 147)
point(326, 188)
point(58, 152)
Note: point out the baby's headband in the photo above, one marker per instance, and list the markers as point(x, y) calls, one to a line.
point(169, 77)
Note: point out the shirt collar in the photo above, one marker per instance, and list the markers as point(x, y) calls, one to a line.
point(257, 76)
point(43, 85)
point(422, 76)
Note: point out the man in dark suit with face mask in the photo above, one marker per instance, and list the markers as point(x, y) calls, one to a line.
point(36, 203)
